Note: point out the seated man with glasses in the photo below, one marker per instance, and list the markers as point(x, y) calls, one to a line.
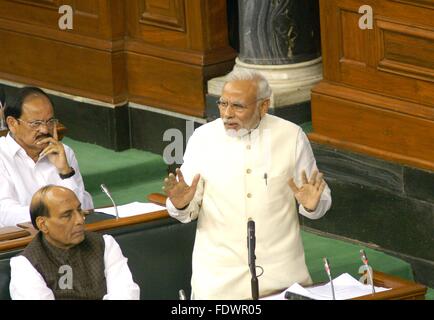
point(31, 157)
point(247, 165)
point(64, 261)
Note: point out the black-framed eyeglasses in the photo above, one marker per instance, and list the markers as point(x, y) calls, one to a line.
point(37, 124)
point(238, 107)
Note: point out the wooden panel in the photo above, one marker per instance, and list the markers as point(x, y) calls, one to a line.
point(175, 47)
point(163, 13)
point(70, 69)
point(355, 125)
point(406, 50)
point(86, 7)
point(181, 89)
point(86, 19)
point(353, 40)
point(423, 3)
point(188, 40)
point(152, 34)
point(54, 4)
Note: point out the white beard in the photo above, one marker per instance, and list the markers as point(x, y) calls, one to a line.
point(236, 133)
point(242, 131)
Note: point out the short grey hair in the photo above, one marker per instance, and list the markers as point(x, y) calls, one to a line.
point(264, 89)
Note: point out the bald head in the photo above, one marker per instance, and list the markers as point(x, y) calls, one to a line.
point(56, 212)
point(47, 197)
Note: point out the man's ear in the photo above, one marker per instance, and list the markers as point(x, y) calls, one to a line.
point(264, 107)
point(41, 222)
point(12, 123)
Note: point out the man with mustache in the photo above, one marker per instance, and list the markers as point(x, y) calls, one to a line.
point(247, 165)
point(31, 157)
point(64, 261)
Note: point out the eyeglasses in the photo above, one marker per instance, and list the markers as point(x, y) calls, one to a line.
point(238, 107)
point(35, 125)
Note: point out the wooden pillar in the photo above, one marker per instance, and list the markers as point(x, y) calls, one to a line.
point(377, 96)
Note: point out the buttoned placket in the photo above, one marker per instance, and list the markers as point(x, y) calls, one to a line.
point(248, 176)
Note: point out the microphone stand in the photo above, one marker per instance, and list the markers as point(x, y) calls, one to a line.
point(368, 269)
point(252, 264)
point(105, 190)
point(329, 274)
point(254, 283)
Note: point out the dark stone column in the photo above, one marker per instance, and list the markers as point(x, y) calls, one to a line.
point(281, 40)
point(278, 31)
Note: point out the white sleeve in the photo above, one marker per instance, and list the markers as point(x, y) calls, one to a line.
point(305, 160)
point(11, 211)
point(75, 183)
point(26, 282)
point(189, 169)
point(120, 284)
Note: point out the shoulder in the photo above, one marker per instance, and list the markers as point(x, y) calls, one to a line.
point(109, 241)
point(209, 127)
point(207, 131)
point(3, 146)
point(280, 124)
point(20, 262)
point(112, 248)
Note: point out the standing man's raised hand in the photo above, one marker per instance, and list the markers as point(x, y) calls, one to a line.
point(309, 193)
point(178, 190)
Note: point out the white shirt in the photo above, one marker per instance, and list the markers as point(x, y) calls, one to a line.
point(21, 177)
point(241, 178)
point(28, 284)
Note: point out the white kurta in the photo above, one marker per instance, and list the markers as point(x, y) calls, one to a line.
point(244, 178)
point(28, 284)
point(21, 177)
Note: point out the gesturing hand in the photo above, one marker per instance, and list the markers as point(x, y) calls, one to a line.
point(178, 191)
point(309, 194)
point(55, 152)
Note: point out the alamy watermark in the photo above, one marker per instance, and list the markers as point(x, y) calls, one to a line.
point(367, 20)
point(66, 280)
point(66, 21)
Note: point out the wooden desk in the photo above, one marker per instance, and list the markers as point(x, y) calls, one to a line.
point(14, 242)
point(400, 289)
point(97, 226)
point(61, 131)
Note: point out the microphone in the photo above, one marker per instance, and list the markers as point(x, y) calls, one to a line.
point(329, 274)
point(368, 268)
point(182, 295)
point(105, 190)
point(251, 244)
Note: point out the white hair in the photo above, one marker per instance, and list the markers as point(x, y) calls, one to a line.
point(263, 91)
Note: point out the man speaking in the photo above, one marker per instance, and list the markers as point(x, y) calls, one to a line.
point(247, 165)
